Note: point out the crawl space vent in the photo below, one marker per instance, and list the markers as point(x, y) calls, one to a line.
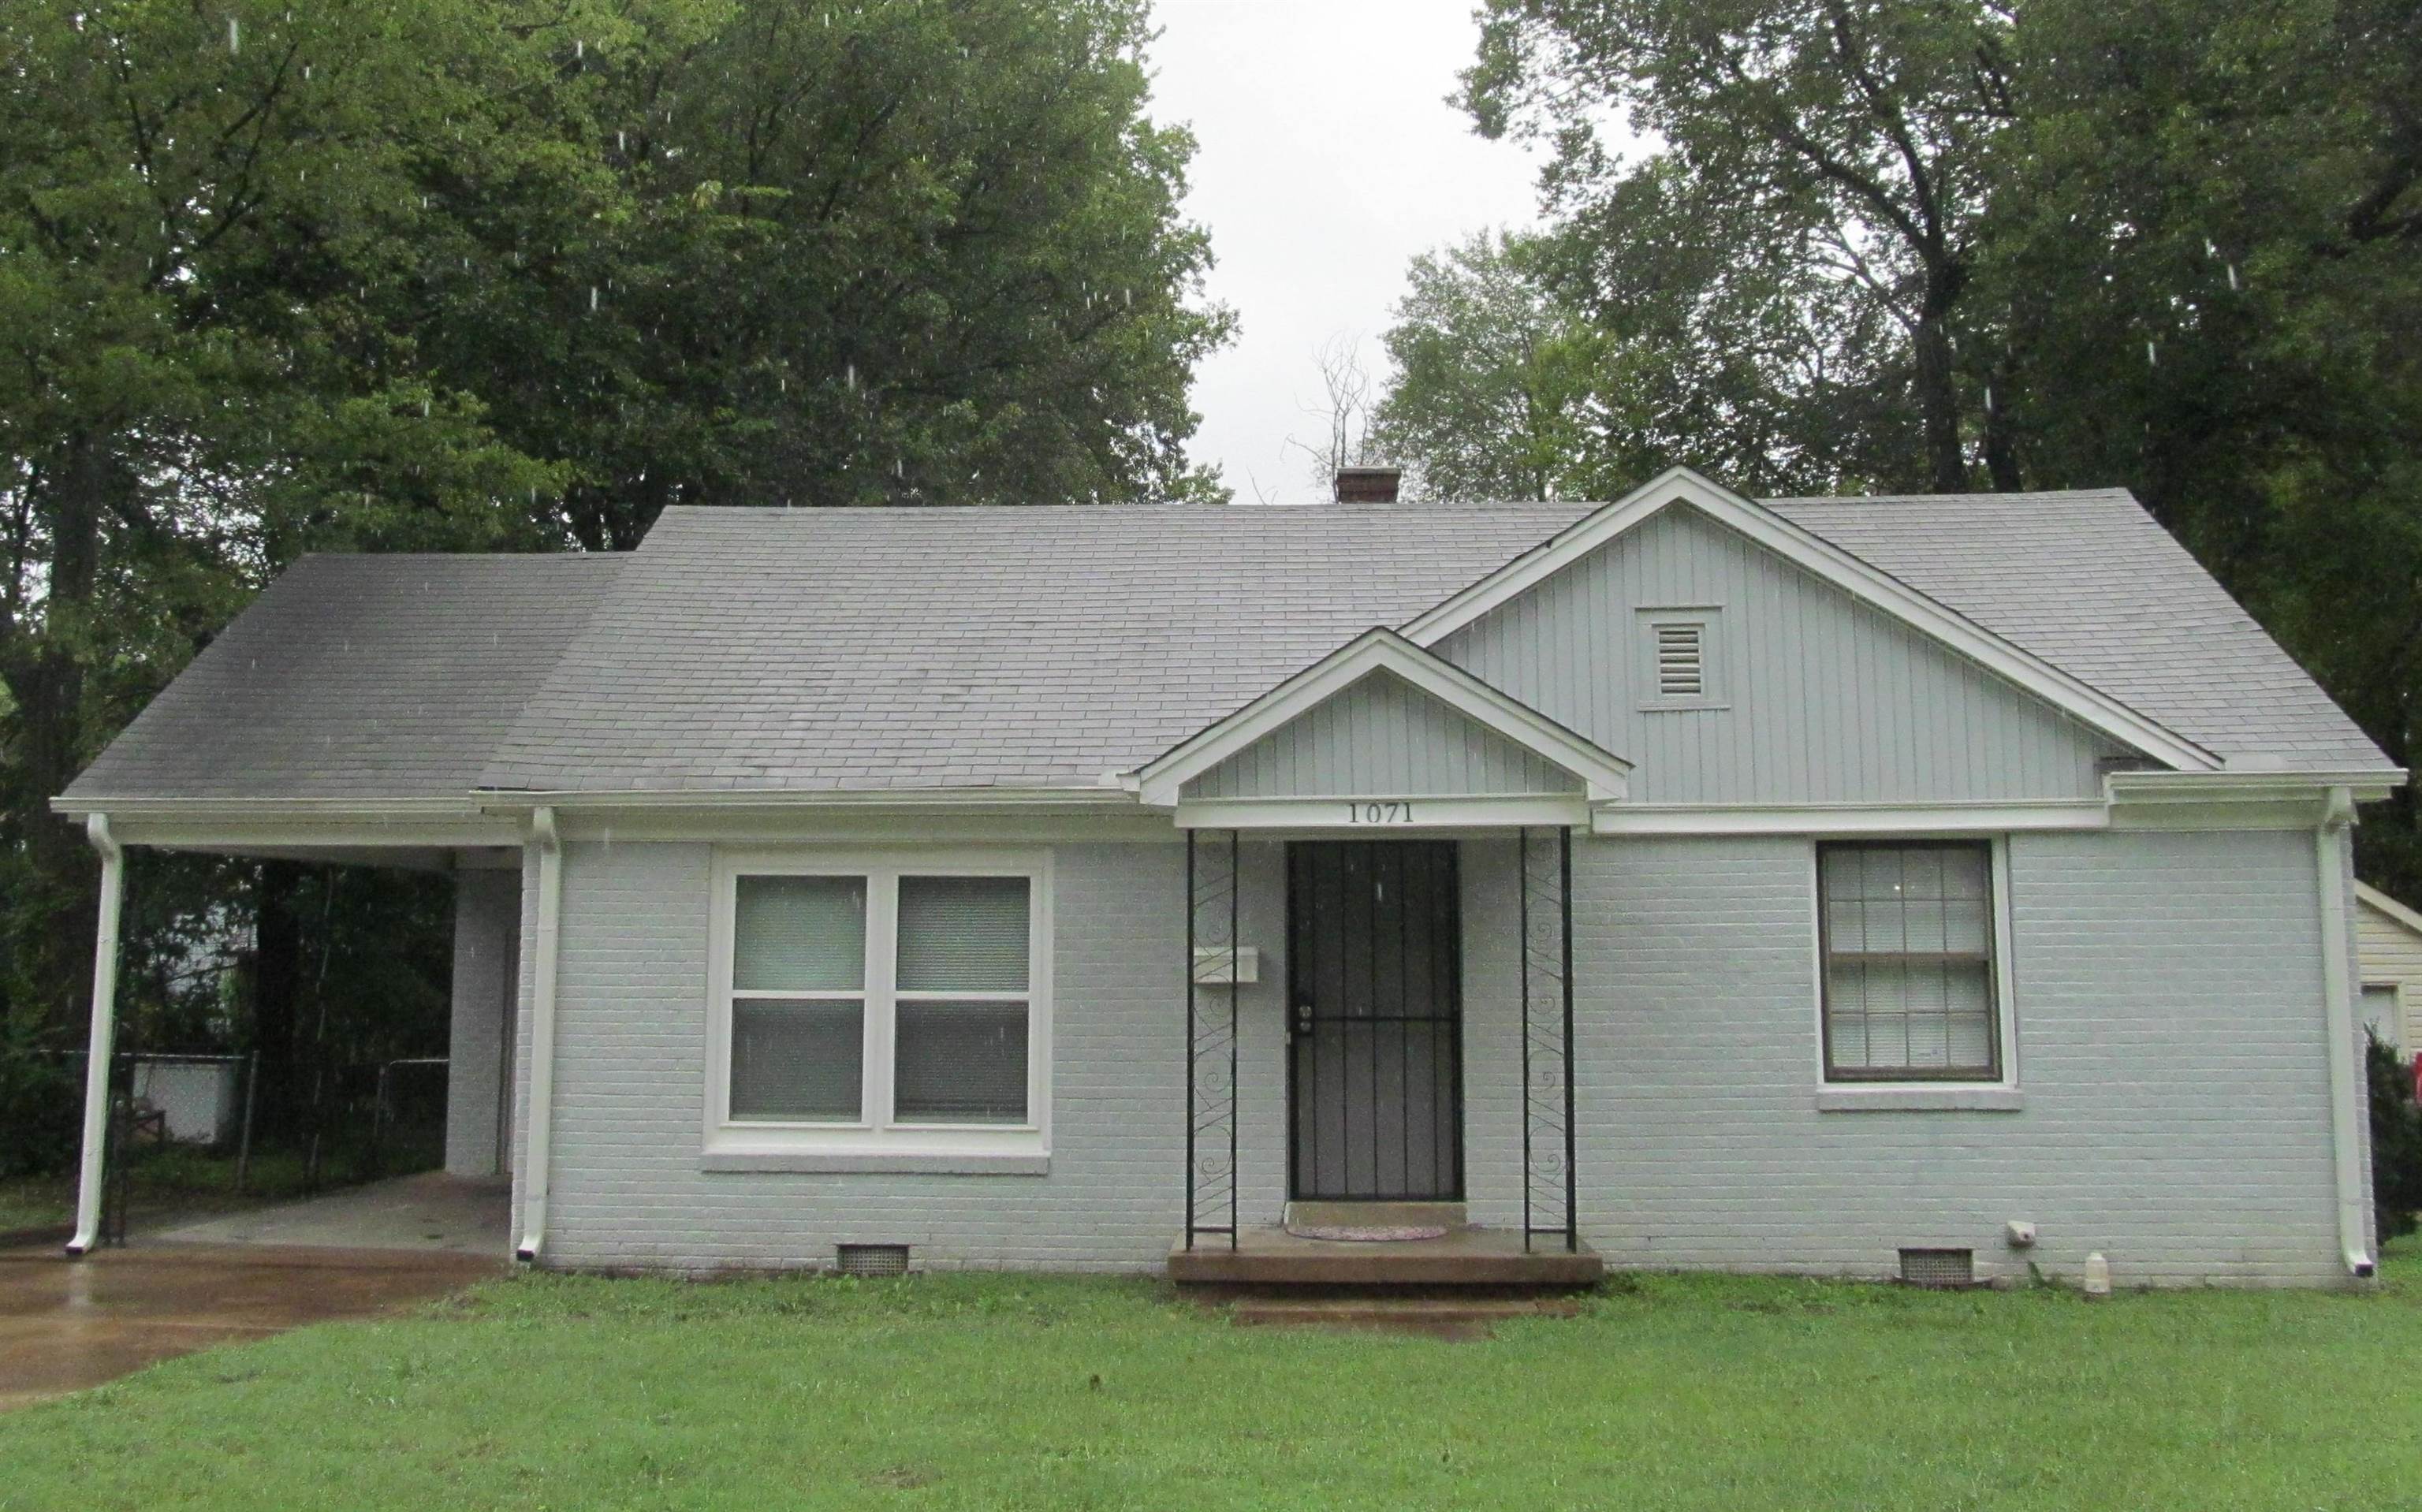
point(871, 1259)
point(1939, 1268)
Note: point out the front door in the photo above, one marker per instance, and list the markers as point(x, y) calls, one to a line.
point(1376, 1028)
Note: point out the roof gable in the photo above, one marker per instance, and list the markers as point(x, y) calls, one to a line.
point(1524, 744)
point(2090, 707)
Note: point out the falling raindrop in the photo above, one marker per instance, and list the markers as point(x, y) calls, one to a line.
point(235, 39)
point(424, 408)
point(579, 49)
point(2150, 359)
point(849, 375)
point(622, 144)
point(592, 298)
point(1989, 399)
point(2232, 278)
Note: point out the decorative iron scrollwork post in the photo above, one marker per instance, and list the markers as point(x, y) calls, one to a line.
point(1212, 891)
point(1550, 1204)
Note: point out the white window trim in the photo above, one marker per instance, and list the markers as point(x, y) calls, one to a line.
point(1015, 1146)
point(1648, 619)
point(1922, 1096)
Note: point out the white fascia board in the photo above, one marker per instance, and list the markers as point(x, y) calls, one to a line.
point(1604, 776)
point(1847, 818)
point(1379, 818)
point(266, 825)
point(1680, 485)
point(1072, 800)
point(2240, 786)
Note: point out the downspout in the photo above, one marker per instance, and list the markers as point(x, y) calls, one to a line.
point(2346, 1086)
point(541, 1049)
point(105, 1031)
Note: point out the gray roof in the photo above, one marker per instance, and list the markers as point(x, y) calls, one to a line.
point(357, 677)
point(1044, 647)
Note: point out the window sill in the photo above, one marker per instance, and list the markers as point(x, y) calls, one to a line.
point(874, 1162)
point(1945, 1099)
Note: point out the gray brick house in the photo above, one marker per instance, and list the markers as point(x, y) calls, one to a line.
point(1687, 881)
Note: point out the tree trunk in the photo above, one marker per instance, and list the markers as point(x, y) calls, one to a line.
point(1938, 398)
point(278, 981)
point(2001, 435)
point(46, 681)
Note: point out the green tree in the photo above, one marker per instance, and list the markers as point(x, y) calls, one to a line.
point(2073, 244)
point(482, 274)
point(1814, 192)
point(1496, 381)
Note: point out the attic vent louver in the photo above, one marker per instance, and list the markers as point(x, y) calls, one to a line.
point(1681, 661)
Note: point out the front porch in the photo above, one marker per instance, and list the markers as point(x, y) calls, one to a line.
point(1463, 1258)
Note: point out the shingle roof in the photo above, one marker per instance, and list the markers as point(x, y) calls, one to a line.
point(1044, 647)
point(357, 677)
point(1036, 647)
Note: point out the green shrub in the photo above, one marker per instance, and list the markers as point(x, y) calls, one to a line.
point(2395, 1142)
point(41, 1107)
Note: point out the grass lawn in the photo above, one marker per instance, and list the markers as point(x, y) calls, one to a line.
point(1016, 1392)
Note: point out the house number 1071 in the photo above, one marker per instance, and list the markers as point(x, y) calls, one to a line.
point(1379, 813)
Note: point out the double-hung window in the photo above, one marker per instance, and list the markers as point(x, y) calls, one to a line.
point(893, 1004)
point(1911, 986)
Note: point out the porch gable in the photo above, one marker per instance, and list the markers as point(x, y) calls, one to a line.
point(1381, 723)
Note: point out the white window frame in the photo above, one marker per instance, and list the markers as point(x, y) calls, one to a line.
point(1708, 618)
point(877, 1133)
point(1928, 1092)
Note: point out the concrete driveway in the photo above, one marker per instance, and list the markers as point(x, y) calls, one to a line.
point(68, 1324)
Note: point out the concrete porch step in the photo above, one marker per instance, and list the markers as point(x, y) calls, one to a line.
point(1376, 1215)
point(1465, 1259)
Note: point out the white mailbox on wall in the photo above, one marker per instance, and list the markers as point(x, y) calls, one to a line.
point(1225, 966)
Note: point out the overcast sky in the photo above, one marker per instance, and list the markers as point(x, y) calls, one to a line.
point(1329, 157)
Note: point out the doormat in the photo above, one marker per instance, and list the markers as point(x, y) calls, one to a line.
point(1362, 1234)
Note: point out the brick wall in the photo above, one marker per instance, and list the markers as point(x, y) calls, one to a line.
point(2171, 1053)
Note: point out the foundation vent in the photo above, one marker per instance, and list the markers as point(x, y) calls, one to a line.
point(871, 1259)
point(1939, 1268)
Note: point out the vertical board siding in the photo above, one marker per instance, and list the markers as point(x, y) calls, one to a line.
point(1819, 699)
point(1382, 735)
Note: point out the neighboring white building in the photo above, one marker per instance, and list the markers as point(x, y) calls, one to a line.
point(1686, 881)
point(2389, 935)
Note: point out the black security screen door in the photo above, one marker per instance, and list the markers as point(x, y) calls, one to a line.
point(1376, 1031)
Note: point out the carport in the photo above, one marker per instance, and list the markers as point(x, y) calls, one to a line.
point(347, 717)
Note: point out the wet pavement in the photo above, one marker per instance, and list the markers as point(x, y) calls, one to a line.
point(68, 1324)
point(432, 1211)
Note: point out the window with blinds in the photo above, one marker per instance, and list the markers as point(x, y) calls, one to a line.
point(1909, 982)
point(960, 1046)
point(881, 998)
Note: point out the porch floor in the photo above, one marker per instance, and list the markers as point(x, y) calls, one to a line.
point(1270, 1256)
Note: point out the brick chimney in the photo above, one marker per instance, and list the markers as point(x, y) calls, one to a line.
point(1368, 485)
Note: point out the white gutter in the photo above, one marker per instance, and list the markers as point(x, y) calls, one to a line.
point(2346, 1086)
point(104, 1028)
point(542, 1078)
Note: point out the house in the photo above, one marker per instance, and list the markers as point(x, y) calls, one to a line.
point(2389, 937)
point(1860, 886)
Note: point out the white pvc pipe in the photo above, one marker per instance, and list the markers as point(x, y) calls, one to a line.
point(104, 1031)
point(2337, 987)
point(542, 1079)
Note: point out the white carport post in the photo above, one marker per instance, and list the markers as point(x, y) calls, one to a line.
point(104, 1030)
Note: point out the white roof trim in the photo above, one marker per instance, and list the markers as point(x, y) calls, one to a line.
point(2366, 893)
point(1680, 485)
point(1604, 776)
